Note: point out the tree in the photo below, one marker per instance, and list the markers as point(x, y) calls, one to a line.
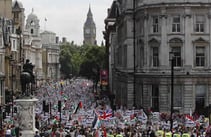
point(70, 59)
point(94, 60)
point(83, 60)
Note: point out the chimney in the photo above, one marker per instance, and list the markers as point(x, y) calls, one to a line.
point(57, 40)
point(64, 40)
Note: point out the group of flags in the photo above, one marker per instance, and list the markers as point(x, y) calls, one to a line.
point(140, 115)
point(190, 122)
point(101, 116)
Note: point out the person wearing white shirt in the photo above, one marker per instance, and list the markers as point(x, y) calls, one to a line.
point(8, 133)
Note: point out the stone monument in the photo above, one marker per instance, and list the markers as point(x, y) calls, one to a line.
point(26, 116)
point(26, 104)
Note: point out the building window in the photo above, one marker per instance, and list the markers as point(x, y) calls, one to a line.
point(119, 56)
point(200, 97)
point(14, 45)
point(200, 23)
point(155, 24)
point(125, 56)
point(178, 94)
point(176, 24)
point(16, 16)
point(155, 97)
point(155, 57)
point(200, 56)
point(141, 55)
point(1, 60)
point(177, 56)
point(32, 31)
point(1, 41)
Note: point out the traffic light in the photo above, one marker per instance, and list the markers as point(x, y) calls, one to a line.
point(59, 105)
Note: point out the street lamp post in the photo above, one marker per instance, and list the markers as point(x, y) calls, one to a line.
point(134, 54)
point(171, 58)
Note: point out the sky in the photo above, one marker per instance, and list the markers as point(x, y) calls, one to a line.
point(67, 17)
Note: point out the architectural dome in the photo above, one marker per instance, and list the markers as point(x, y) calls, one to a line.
point(32, 16)
point(18, 3)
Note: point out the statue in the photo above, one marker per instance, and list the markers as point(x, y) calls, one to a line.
point(27, 78)
point(26, 102)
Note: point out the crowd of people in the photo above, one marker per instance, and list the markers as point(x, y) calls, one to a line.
point(82, 112)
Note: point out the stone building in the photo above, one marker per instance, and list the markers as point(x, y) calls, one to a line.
point(51, 50)
point(89, 30)
point(32, 47)
point(18, 15)
point(9, 47)
point(16, 41)
point(146, 31)
point(6, 9)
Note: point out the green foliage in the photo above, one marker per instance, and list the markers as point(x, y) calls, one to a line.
point(70, 59)
point(94, 59)
point(83, 60)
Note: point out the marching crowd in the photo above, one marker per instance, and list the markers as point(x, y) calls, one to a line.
point(82, 113)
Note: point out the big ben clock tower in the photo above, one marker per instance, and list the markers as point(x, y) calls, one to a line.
point(89, 30)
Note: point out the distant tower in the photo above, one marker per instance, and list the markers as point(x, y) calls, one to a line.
point(90, 29)
point(32, 25)
point(18, 14)
point(32, 48)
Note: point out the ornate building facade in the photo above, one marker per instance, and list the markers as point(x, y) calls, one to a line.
point(89, 30)
point(146, 31)
point(9, 47)
point(16, 41)
point(51, 50)
point(32, 47)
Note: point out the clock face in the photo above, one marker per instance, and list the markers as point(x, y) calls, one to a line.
point(87, 31)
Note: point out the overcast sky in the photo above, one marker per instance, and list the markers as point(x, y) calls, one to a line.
point(66, 17)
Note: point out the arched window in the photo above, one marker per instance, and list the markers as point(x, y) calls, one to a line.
point(176, 46)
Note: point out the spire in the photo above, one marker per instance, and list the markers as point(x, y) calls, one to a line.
point(89, 12)
point(89, 19)
point(89, 29)
point(32, 10)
